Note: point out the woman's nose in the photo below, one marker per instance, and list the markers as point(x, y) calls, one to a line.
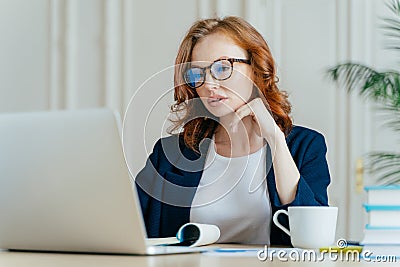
point(210, 82)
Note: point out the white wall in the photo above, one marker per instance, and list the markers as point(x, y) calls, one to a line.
point(23, 55)
point(66, 54)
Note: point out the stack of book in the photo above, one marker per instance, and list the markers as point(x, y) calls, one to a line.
point(382, 233)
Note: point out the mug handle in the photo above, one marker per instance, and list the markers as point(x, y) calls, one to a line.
point(280, 226)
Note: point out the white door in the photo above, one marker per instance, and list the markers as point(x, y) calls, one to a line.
point(367, 131)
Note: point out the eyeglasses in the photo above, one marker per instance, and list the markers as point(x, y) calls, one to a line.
point(220, 70)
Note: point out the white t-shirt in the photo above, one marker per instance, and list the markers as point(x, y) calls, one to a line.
point(233, 195)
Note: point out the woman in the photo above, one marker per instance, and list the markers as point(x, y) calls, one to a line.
point(236, 126)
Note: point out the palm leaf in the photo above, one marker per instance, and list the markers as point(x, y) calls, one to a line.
point(394, 6)
point(386, 166)
point(391, 116)
point(380, 86)
point(391, 25)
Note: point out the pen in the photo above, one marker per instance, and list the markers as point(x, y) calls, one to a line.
point(353, 243)
point(229, 250)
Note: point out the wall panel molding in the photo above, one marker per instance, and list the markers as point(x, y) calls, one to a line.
point(341, 166)
point(71, 25)
point(113, 54)
point(68, 52)
point(56, 71)
point(230, 7)
point(127, 43)
point(206, 9)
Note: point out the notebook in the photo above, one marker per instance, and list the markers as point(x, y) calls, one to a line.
point(65, 186)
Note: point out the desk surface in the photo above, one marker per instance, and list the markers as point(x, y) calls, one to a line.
point(22, 259)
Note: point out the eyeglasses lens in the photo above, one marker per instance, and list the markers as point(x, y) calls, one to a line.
point(221, 69)
point(194, 77)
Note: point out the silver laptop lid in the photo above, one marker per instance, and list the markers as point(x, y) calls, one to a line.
point(64, 184)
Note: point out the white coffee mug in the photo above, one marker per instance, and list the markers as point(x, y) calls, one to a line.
point(310, 226)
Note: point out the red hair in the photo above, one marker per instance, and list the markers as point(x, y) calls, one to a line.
point(248, 38)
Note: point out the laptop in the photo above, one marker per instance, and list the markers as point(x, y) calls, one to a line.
point(65, 186)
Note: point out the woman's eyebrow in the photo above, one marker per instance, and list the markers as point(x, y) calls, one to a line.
point(200, 64)
point(221, 57)
point(194, 65)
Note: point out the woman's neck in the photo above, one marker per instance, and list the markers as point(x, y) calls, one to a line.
point(241, 142)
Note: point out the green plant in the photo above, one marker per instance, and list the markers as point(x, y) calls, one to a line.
point(384, 89)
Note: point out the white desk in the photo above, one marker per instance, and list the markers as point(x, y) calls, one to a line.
point(22, 259)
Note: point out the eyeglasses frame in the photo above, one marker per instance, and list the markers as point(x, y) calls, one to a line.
point(204, 69)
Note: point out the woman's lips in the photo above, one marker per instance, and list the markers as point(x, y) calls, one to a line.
point(216, 100)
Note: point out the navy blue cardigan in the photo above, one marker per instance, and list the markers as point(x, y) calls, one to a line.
point(167, 184)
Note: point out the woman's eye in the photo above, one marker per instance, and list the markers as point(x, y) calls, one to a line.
point(223, 68)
